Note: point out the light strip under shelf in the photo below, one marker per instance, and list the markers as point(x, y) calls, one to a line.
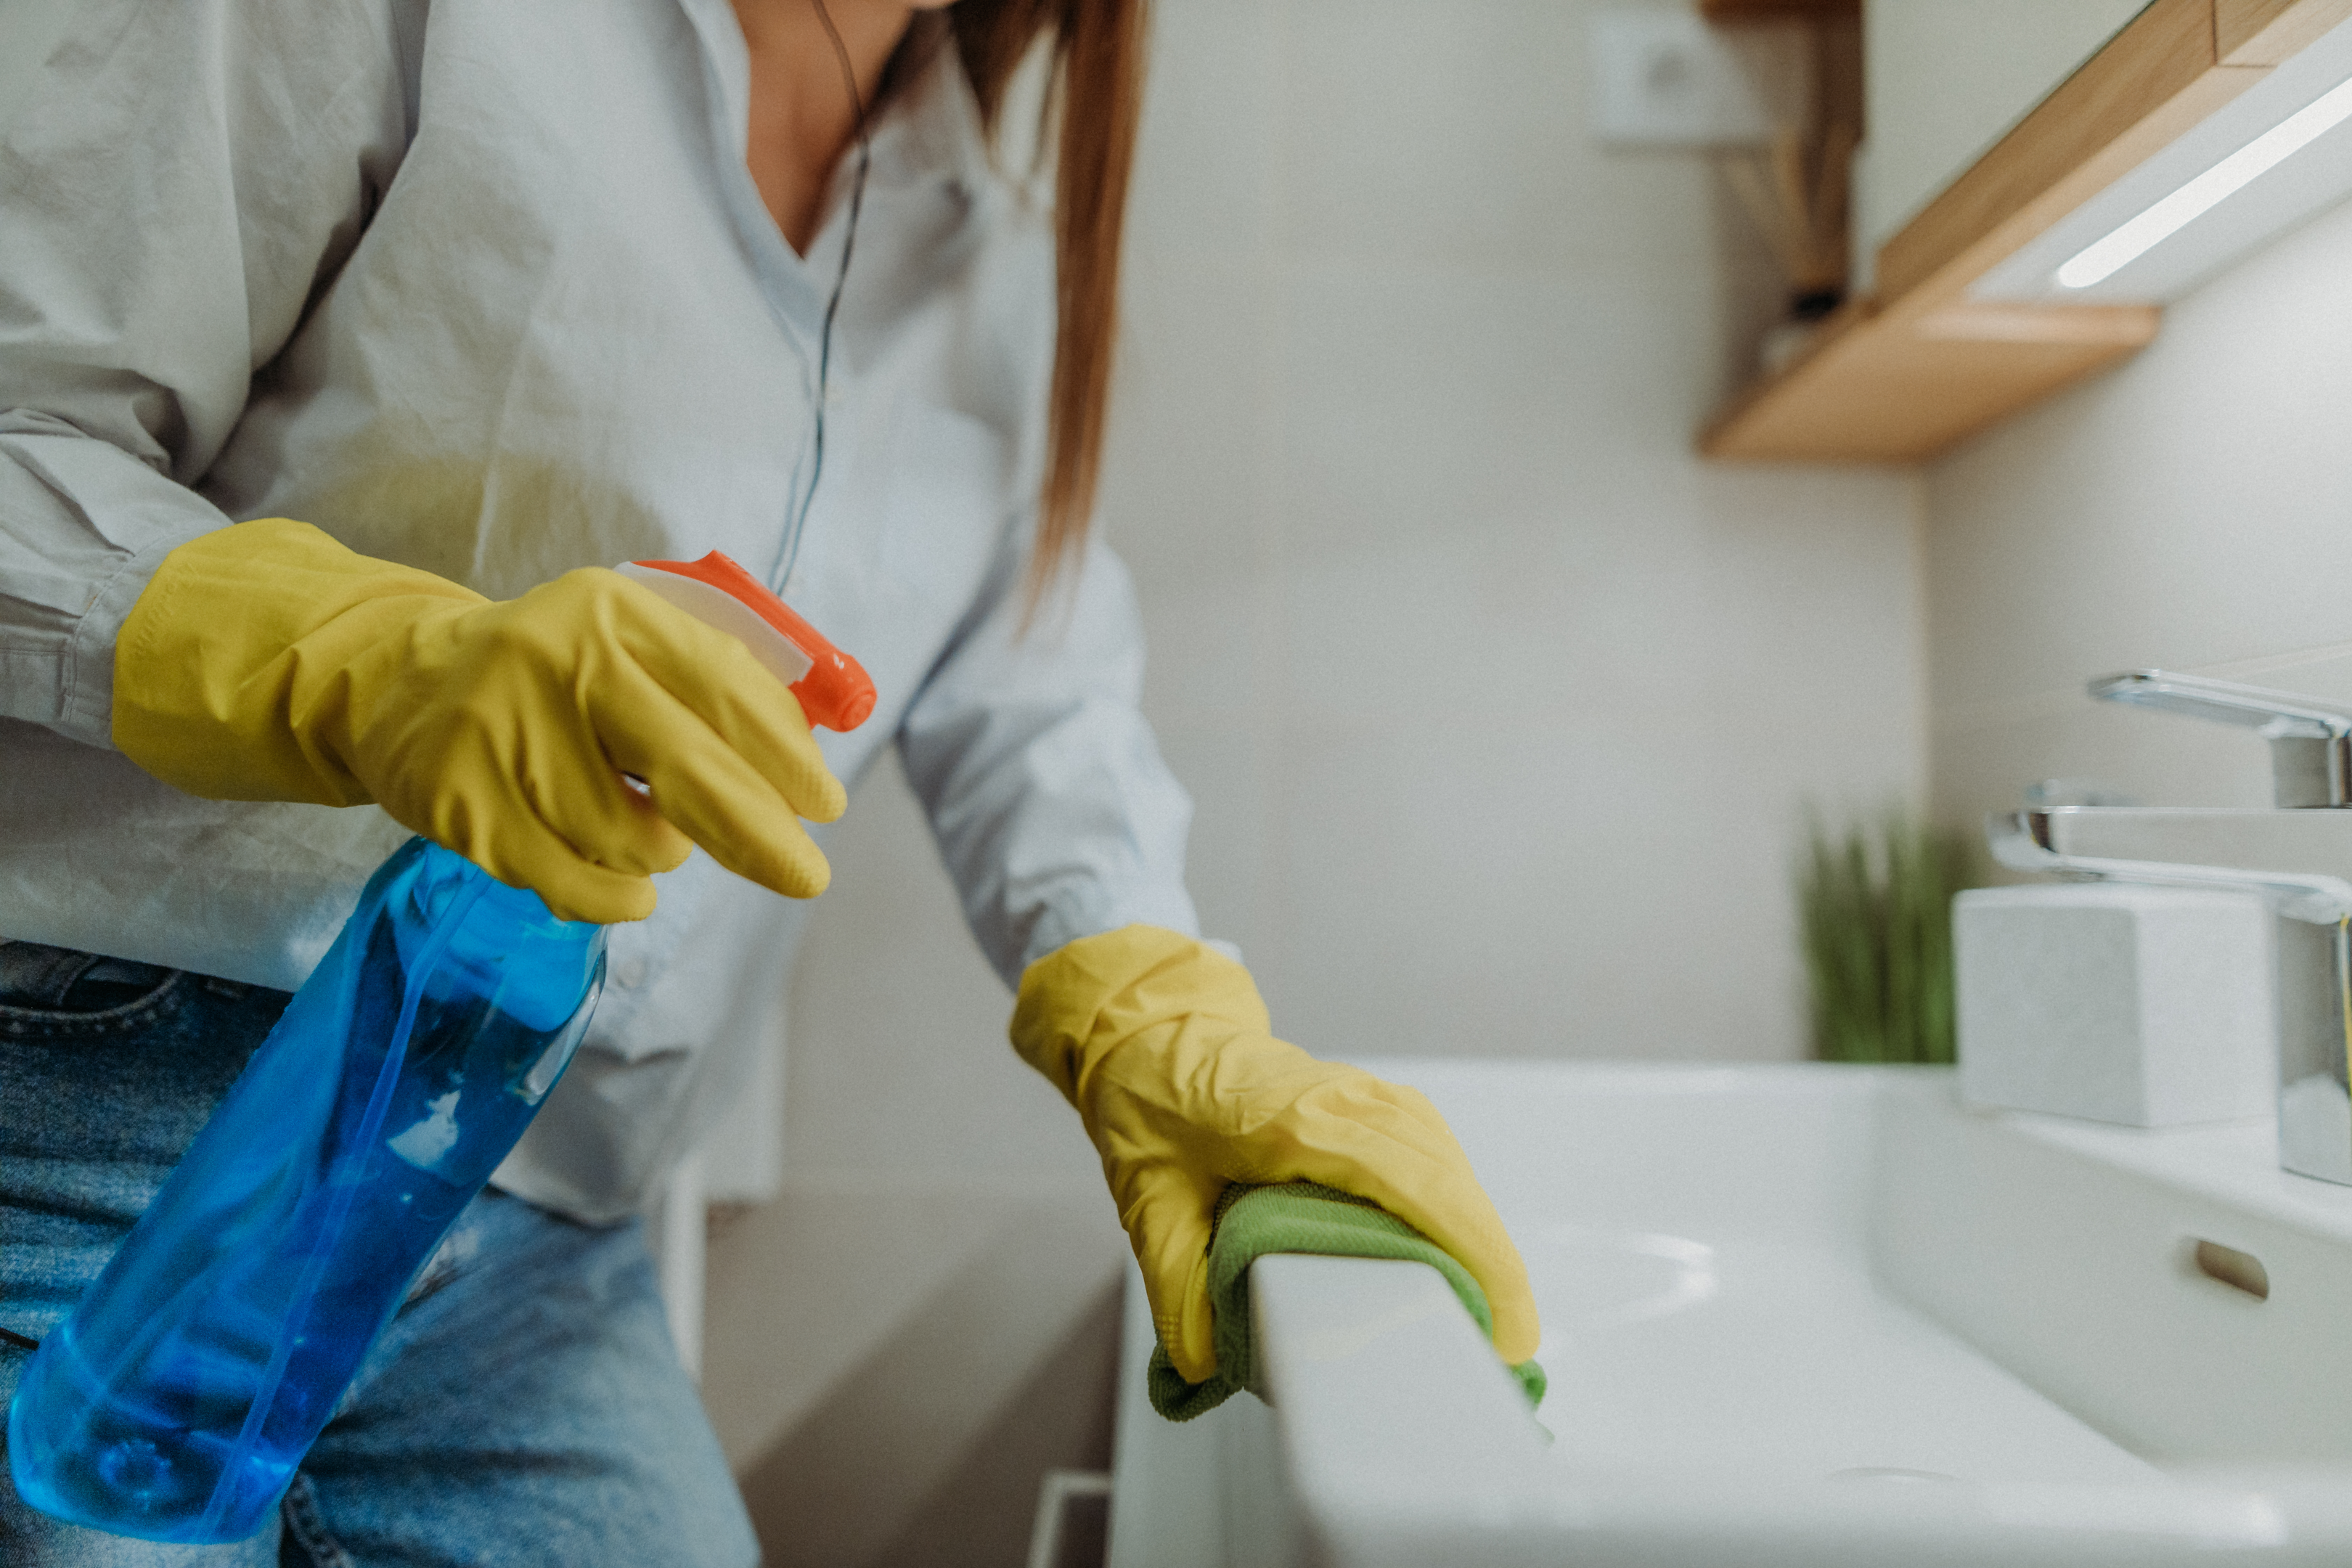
point(2103, 259)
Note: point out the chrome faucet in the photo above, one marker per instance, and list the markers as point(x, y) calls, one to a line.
point(2296, 854)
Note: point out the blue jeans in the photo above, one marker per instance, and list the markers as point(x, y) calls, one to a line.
point(525, 1406)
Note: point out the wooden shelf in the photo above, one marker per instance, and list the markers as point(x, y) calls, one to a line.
point(1882, 387)
point(1906, 377)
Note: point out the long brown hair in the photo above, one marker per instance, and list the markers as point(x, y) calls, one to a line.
point(1096, 99)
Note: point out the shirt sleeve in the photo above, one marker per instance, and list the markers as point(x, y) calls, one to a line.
point(177, 182)
point(1043, 785)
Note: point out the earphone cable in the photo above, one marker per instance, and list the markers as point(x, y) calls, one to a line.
point(799, 521)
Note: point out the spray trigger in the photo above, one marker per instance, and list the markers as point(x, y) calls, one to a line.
point(834, 688)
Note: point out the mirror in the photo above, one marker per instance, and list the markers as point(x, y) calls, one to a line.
point(1945, 80)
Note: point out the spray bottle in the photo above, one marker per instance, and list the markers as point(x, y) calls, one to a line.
point(177, 1400)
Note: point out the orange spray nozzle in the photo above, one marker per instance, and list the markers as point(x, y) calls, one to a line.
point(834, 688)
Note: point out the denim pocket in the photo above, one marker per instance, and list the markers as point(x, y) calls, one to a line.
point(96, 1105)
point(56, 993)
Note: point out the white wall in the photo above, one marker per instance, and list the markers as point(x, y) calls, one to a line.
point(2192, 510)
point(1493, 696)
point(1498, 705)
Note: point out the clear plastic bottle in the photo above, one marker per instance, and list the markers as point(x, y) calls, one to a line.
point(175, 1401)
point(186, 1386)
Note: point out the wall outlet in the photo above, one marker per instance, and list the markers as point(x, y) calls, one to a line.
point(1666, 79)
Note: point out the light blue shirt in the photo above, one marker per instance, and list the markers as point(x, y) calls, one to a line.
point(485, 287)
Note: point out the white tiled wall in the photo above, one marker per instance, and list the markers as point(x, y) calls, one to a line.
point(1499, 706)
point(2191, 510)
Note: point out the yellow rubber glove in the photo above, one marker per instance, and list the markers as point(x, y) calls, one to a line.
point(266, 661)
point(1164, 1047)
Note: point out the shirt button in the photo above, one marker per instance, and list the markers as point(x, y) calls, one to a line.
point(629, 973)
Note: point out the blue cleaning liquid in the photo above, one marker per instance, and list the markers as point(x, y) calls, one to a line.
point(177, 1398)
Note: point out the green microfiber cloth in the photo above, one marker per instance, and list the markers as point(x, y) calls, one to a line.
point(1298, 1216)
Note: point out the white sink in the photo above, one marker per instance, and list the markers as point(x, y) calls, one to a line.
point(1795, 1315)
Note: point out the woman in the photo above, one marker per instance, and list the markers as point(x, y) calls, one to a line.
point(341, 346)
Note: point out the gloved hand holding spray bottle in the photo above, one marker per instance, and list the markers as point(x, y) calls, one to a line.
point(178, 1399)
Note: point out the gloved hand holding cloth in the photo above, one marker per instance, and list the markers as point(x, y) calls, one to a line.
point(266, 661)
point(1167, 1051)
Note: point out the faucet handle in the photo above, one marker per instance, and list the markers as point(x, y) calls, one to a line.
point(2311, 740)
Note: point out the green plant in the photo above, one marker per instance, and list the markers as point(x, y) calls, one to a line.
point(1875, 902)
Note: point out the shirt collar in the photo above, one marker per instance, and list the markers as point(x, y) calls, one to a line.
point(927, 136)
point(931, 130)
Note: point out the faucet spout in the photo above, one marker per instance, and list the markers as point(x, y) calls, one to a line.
point(2203, 852)
point(2297, 856)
